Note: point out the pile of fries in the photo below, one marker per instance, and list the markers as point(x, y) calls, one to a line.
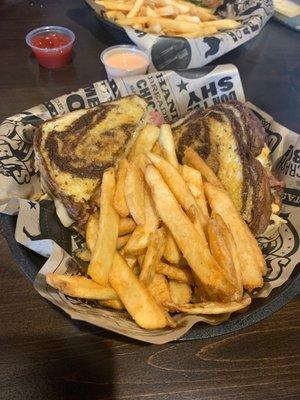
point(166, 17)
point(166, 239)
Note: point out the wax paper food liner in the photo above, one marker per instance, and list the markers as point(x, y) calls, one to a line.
point(181, 53)
point(173, 94)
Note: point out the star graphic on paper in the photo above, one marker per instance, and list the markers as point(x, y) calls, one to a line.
point(182, 86)
point(32, 205)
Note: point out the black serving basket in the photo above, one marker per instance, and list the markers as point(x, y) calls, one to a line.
point(30, 263)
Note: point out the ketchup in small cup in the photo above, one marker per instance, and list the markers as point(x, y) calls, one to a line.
point(124, 60)
point(52, 45)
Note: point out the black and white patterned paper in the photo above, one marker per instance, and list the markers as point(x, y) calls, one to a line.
point(181, 53)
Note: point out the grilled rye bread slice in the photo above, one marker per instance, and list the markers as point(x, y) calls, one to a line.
point(232, 141)
point(73, 151)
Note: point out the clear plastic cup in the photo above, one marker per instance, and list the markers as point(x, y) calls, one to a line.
point(131, 61)
point(52, 45)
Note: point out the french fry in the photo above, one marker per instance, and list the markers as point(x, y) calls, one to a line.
point(208, 308)
point(174, 181)
point(114, 6)
point(251, 259)
point(122, 240)
point(139, 239)
point(114, 304)
point(172, 252)
point(135, 194)
point(91, 232)
point(138, 4)
point(188, 239)
point(232, 249)
point(141, 162)
point(192, 159)
point(177, 274)
point(180, 293)
point(136, 298)
point(115, 14)
point(167, 11)
point(105, 247)
point(126, 225)
point(80, 286)
point(180, 190)
point(188, 18)
point(154, 253)
point(154, 27)
point(83, 254)
point(159, 288)
point(120, 204)
point(137, 242)
point(193, 178)
point(167, 145)
point(221, 24)
point(220, 251)
point(150, 12)
point(157, 149)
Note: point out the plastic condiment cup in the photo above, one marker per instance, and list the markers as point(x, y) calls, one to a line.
point(116, 72)
point(51, 57)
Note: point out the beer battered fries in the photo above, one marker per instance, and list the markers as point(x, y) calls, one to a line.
point(166, 17)
point(166, 238)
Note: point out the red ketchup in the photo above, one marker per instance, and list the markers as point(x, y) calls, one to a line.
point(52, 47)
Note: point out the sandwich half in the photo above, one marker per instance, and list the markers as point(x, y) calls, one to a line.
point(73, 151)
point(232, 141)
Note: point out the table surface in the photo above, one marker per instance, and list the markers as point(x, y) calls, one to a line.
point(44, 354)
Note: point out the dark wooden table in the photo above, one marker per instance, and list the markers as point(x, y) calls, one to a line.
point(45, 355)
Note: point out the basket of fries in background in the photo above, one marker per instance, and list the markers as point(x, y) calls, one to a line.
point(181, 34)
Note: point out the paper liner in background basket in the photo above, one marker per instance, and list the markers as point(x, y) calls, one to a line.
point(181, 53)
point(173, 94)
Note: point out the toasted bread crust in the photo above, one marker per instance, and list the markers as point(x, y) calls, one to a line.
point(73, 151)
point(240, 138)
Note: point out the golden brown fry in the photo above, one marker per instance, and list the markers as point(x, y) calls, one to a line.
point(91, 232)
point(114, 14)
point(199, 221)
point(105, 247)
point(120, 204)
point(251, 258)
point(157, 149)
point(80, 286)
point(188, 239)
point(167, 145)
point(136, 298)
point(221, 253)
point(181, 293)
point(126, 225)
point(193, 178)
point(211, 307)
point(137, 243)
point(188, 18)
point(135, 194)
point(172, 252)
point(232, 249)
point(221, 24)
point(113, 5)
point(154, 253)
point(114, 304)
point(141, 161)
point(145, 141)
point(167, 11)
point(174, 181)
point(83, 254)
point(177, 274)
point(122, 240)
point(193, 159)
point(138, 4)
point(159, 288)
point(139, 239)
